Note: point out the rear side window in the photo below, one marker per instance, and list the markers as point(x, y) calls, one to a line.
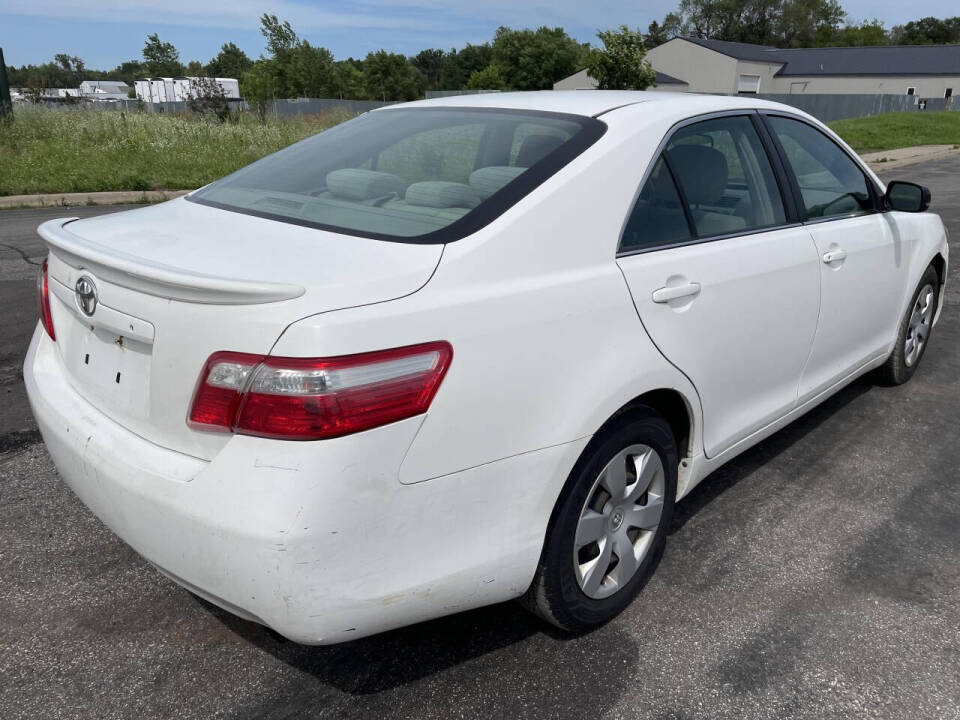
point(714, 178)
point(415, 174)
point(725, 177)
point(830, 182)
point(658, 217)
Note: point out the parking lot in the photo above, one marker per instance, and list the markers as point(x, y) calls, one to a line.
point(815, 576)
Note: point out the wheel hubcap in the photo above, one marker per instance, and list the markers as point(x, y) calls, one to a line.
point(918, 327)
point(618, 521)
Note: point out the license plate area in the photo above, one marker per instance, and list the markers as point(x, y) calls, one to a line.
point(111, 370)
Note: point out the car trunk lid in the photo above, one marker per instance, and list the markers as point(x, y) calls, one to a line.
point(176, 282)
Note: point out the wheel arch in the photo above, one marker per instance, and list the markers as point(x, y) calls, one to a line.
point(939, 263)
point(676, 410)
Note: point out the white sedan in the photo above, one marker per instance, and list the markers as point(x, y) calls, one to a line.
point(461, 351)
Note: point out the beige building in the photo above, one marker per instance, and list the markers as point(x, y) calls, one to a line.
point(580, 80)
point(717, 66)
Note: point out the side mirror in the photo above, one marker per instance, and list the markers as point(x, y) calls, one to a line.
point(907, 196)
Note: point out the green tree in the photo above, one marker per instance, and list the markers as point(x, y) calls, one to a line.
point(280, 35)
point(656, 34)
point(869, 32)
point(487, 79)
point(258, 87)
point(161, 58)
point(300, 69)
point(128, 72)
point(534, 59)
point(208, 99)
point(928, 31)
point(459, 65)
point(388, 76)
point(230, 62)
point(622, 63)
point(72, 67)
point(781, 23)
point(348, 80)
point(310, 71)
point(801, 22)
point(430, 65)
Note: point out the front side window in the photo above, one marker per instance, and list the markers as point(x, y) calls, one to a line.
point(415, 175)
point(831, 183)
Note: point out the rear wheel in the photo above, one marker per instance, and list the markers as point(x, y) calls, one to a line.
point(609, 526)
point(914, 334)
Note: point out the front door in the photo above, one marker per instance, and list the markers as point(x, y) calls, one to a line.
point(861, 255)
point(725, 287)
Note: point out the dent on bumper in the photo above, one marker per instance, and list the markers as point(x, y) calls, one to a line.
point(318, 540)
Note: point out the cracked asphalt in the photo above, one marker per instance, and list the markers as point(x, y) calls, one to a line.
point(815, 576)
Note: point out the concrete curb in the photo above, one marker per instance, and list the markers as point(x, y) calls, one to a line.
point(117, 197)
point(887, 160)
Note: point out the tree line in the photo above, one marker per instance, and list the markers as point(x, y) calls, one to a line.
point(515, 59)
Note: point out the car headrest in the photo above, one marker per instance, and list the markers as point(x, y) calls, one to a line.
point(360, 185)
point(442, 194)
point(486, 181)
point(535, 148)
point(701, 170)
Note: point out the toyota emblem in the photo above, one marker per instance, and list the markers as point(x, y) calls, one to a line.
point(86, 293)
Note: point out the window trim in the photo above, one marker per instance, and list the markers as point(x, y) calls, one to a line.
point(876, 197)
point(492, 208)
point(779, 173)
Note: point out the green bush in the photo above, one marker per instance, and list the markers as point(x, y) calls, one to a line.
point(87, 150)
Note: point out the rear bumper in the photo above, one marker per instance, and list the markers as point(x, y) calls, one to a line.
point(318, 540)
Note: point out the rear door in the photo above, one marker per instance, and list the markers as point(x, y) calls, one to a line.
point(726, 285)
point(862, 257)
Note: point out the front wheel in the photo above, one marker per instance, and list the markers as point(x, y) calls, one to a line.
point(914, 333)
point(609, 526)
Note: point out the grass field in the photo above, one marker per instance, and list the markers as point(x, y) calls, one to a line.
point(52, 151)
point(82, 150)
point(897, 130)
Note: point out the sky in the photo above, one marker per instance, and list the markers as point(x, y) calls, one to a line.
point(107, 32)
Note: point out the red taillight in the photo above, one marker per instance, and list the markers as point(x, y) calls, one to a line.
point(43, 301)
point(309, 399)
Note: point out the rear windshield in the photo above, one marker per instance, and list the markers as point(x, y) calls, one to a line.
point(413, 175)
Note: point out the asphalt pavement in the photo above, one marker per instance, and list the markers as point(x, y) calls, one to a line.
point(815, 576)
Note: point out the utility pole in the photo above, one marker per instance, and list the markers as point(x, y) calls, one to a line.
point(6, 105)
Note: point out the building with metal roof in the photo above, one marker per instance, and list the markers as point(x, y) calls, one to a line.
point(718, 66)
point(580, 80)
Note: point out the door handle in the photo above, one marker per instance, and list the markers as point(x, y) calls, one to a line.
point(833, 256)
point(666, 294)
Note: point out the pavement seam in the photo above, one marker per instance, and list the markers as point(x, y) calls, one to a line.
point(21, 253)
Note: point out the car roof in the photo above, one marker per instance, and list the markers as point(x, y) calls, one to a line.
point(591, 103)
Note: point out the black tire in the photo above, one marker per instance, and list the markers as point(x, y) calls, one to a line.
point(896, 371)
point(555, 594)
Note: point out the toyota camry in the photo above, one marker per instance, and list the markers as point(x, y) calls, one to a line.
point(462, 351)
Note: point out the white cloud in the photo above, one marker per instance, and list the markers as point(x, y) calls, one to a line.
point(235, 14)
point(427, 16)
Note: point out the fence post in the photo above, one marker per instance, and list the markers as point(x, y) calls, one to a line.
point(6, 105)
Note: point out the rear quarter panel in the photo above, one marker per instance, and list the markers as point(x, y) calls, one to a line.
point(547, 343)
